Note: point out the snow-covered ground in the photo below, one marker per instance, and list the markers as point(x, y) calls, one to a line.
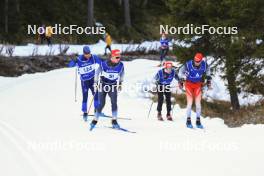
point(97, 48)
point(42, 133)
point(220, 91)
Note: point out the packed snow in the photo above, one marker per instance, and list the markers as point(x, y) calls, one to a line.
point(220, 91)
point(42, 133)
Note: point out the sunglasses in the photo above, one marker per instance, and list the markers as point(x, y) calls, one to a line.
point(197, 62)
point(117, 58)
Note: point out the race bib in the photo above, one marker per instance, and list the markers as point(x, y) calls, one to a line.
point(110, 76)
point(86, 69)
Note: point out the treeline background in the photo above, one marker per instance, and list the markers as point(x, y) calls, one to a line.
point(125, 20)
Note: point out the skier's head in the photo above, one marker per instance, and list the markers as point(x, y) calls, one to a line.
point(115, 56)
point(86, 52)
point(167, 66)
point(198, 59)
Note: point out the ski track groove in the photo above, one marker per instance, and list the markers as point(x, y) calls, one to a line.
point(17, 139)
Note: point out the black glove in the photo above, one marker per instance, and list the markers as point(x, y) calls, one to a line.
point(181, 81)
point(208, 83)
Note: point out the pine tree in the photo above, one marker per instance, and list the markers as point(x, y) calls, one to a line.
point(234, 51)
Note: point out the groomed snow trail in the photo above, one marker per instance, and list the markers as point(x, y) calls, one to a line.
point(42, 133)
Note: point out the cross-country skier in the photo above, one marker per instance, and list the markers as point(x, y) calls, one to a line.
point(108, 41)
point(163, 79)
point(193, 73)
point(87, 64)
point(112, 73)
point(164, 47)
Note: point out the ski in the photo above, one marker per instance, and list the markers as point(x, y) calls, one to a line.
point(122, 129)
point(108, 116)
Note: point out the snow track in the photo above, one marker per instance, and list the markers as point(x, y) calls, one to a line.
point(43, 134)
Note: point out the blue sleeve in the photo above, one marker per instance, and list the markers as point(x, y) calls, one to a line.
point(157, 77)
point(122, 75)
point(72, 63)
point(97, 59)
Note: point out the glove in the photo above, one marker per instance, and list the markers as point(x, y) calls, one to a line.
point(119, 87)
point(209, 85)
point(72, 63)
point(181, 81)
point(180, 85)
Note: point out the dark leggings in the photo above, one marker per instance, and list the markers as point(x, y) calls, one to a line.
point(161, 94)
point(108, 47)
point(163, 53)
point(111, 90)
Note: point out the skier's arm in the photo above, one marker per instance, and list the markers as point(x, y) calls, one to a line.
point(122, 76)
point(97, 75)
point(208, 76)
point(208, 72)
point(72, 63)
point(156, 79)
point(182, 72)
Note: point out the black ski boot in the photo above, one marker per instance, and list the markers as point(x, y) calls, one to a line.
point(85, 116)
point(159, 116)
point(169, 117)
point(115, 124)
point(92, 124)
point(198, 123)
point(189, 123)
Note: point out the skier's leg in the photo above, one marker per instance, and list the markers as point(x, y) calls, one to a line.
point(161, 55)
point(84, 95)
point(101, 96)
point(189, 97)
point(160, 98)
point(198, 97)
point(113, 97)
point(168, 101)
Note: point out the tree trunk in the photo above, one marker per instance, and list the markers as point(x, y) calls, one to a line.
point(90, 16)
point(127, 14)
point(144, 3)
point(6, 16)
point(232, 86)
point(17, 6)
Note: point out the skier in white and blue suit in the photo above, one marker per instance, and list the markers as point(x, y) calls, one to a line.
point(87, 64)
point(163, 79)
point(112, 74)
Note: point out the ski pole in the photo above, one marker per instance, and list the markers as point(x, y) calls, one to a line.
point(90, 105)
point(150, 108)
point(95, 92)
point(75, 87)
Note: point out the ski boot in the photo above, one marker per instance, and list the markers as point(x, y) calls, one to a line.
point(92, 124)
point(189, 123)
point(115, 125)
point(169, 118)
point(198, 123)
point(85, 116)
point(160, 117)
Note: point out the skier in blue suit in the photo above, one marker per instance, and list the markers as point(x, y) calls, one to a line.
point(164, 47)
point(163, 79)
point(112, 73)
point(87, 65)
